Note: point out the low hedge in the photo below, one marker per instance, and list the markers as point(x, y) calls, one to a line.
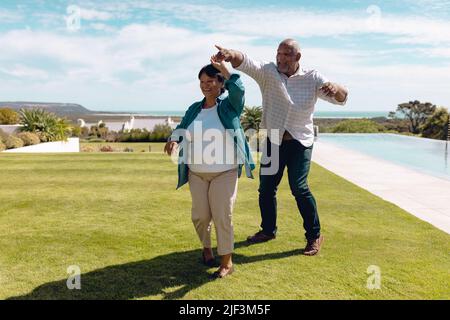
point(3, 136)
point(13, 142)
point(29, 138)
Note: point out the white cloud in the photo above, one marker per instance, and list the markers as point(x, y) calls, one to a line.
point(25, 72)
point(298, 22)
point(86, 62)
point(7, 16)
point(102, 27)
point(91, 14)
point(443, 52)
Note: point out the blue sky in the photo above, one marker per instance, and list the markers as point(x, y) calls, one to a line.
point(145, 55)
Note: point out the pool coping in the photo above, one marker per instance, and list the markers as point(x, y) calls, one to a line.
point(424, 196)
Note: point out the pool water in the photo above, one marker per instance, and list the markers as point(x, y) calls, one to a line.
point(425, 155)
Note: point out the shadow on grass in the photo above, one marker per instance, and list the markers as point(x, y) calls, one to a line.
point(170, 276)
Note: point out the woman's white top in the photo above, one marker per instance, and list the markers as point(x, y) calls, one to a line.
point(211, 148)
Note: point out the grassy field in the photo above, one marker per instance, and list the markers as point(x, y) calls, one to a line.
point(118, 217)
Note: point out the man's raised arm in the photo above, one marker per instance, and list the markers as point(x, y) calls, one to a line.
point(233, 56)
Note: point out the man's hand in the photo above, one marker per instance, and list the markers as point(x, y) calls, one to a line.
point(223, 54)
point(170, 147)
point(233, 56)
point(335, 91)
point(329, 89)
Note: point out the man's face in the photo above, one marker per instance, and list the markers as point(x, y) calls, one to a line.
point(287, 59)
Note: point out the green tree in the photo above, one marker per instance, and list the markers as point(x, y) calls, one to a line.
point(251, 118)
point(436, 126)
point(416, 113)
point(9, 116)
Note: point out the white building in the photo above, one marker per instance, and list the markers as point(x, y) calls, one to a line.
point(133, 123)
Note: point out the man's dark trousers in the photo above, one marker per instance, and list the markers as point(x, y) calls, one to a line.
point(297, 159)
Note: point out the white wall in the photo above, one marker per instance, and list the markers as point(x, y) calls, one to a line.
point(72, 145)
point(10, 128)
point(148, 124)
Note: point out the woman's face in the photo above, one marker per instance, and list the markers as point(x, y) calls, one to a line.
point(210, 86)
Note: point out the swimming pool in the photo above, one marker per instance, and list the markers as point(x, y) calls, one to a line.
point(425, 155)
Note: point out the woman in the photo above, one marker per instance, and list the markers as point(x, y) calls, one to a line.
point(212, 180)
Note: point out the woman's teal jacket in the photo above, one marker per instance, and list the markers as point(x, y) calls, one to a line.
point(229, 110)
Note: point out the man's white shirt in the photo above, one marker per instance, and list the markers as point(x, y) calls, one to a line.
point(288, 102)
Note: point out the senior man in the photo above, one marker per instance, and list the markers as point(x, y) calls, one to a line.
point(289, 94)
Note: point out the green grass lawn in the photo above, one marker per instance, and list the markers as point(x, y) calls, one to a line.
point(118, 217)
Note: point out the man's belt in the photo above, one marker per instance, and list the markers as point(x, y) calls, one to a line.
point(287, 136)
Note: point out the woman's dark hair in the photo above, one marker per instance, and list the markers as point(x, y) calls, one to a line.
point(212, 72)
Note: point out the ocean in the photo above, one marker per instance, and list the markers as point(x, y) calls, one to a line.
point(318, 114)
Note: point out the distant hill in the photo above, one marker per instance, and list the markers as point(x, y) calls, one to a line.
point(73, 112)
point(61, 109)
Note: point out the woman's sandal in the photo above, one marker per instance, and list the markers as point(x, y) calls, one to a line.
point(218, 274)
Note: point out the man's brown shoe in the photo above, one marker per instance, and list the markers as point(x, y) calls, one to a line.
point(260, 237)
point(208, 262)
point(313, 246)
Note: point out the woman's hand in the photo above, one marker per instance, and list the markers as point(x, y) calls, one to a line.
point(170, 147)
point(220, 65)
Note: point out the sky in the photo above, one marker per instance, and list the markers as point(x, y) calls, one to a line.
point(145, 55)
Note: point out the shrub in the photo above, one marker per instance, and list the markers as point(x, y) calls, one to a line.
point(94, 139)
point(13, 142)
point(112, 137)
point(45, 124)
point(106, 149)
point(2, 146)
point(160, 133)
point(357, 126)
point(3, 135)
point(9, 116)
point(29, 138)
point(87, 149)
point(42, 136)
point(138, 135)
point(76, 131)
point(128, 149)
point(398, 125)
point(134, 135)
point(99, 131)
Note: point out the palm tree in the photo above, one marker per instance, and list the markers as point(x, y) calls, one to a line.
point(251, 118)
